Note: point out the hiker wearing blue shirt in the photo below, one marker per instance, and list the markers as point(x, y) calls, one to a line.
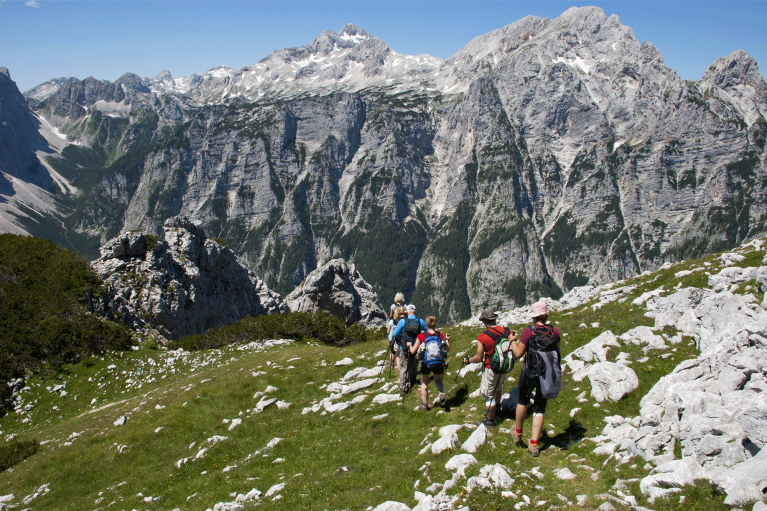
point(405, 334)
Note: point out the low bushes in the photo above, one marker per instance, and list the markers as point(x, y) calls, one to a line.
point(16, 451)
point(43, 318)
point(295, 325)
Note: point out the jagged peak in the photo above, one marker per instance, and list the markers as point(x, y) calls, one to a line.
point(351, 31)
point(582, 13)
point(739, 67)
point(4, 71)
point(164, 75)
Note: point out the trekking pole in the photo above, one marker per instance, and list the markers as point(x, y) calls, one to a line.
point(386, 358)
point(407, 371)
point(457, 373)
point(501, 376)
point(391, 362)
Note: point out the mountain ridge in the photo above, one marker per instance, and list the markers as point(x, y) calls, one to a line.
point(541, 156)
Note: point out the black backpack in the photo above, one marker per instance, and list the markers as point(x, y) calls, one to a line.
point(542, 338)
point(410, 331)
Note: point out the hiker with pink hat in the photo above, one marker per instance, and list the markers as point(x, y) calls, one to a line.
point(541, 372)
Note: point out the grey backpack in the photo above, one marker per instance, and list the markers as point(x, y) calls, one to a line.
point(549, 373)
point(543, 361)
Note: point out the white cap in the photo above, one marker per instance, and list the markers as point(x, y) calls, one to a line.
point(410, 307)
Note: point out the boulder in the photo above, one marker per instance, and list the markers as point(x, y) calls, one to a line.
point(182, 284)
point(444, 443)
point(337, 288)
point(596, 350)
point(731, 275)
point(460, 462)
point(564, 473)
point(753, 420)
point(611, 381)
point(390, 505)
point(475, 440)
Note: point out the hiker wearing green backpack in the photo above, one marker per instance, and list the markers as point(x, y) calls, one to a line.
point(405, 334)
point(493, 343)
point(431, 347)
point(542, 372)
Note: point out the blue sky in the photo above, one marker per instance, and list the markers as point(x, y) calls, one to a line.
point(43, 39)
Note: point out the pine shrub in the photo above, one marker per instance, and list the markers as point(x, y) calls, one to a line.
point(295, 325)
point(16, 451)
point(44, 321)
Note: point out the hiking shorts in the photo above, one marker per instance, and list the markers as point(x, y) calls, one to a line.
point(526, 387)
point(491, 381)
point(437, 370)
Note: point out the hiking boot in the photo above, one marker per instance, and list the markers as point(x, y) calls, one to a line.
point(517, 439)
point(489, 423)
point(424, 407)
point(442, 400)
point(534, 450)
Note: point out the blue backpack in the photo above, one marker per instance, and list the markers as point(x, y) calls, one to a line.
point(433, 353)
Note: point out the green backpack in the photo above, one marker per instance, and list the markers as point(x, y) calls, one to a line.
point(502, 360)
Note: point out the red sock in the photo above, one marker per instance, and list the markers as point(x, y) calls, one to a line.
point(519, 432)
point(533, 442)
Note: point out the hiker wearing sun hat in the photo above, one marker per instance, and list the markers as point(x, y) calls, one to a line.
point(541, 372)
point(491, 387)
point(406, 332)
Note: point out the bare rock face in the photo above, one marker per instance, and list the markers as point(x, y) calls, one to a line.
point(542, 156)
point(339, 289)
point(182, 285)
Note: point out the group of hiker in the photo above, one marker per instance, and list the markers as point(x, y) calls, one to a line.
point(412, 339)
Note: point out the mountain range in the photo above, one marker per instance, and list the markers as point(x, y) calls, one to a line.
point(541, 156)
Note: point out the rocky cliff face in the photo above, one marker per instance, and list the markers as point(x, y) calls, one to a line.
point(338, 289)
point(542, 156)
point(181, 285)
point(24, 182)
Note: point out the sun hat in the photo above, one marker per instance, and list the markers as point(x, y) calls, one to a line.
point(488, 314)
point(539, 309)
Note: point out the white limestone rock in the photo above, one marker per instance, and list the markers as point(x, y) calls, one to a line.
point(274, 489)
point(499, 478)
point(337, 288)
point(391, 505)
point(564, 473)
point(444, 443)
point(186, 284)
point(386, 398)
point(459, 462)
point(450, 429)
point(753, 420)
point(264, 404)
point(731, 275)
point(595, 351)
point(611, 381)
point(644, 336)
point(475, 440)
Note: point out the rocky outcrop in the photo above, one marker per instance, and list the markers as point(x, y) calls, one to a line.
point(338, 289)
point(714, 406)
point(183, 284)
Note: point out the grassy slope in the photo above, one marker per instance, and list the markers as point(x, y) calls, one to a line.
point(381, 456)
